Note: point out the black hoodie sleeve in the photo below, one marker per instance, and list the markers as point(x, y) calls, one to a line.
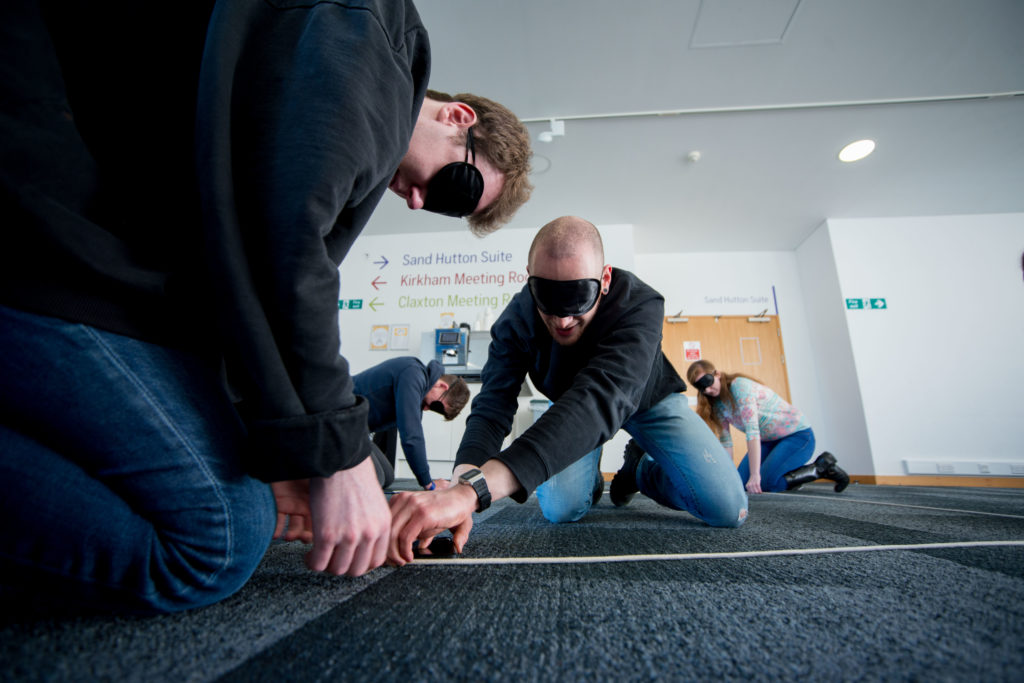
point(305, 110)
point(508, 361)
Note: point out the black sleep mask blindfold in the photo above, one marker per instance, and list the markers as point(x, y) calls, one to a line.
point(564, 298)
point(704, 382)
point(456, 189)
point(438, 406)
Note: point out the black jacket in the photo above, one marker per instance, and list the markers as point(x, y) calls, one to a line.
point(615, 370)
point(192, 175)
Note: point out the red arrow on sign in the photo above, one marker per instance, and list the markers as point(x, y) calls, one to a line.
point(377, 281)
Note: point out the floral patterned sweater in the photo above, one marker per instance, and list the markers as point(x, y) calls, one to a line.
point(759, 413)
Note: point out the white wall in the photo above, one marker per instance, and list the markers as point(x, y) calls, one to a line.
point(831, 357)
point(941, 369)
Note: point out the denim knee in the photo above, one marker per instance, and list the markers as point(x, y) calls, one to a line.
point(191, 573)
point(728, 515)
point(562, 511)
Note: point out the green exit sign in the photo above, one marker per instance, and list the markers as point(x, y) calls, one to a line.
point(876, 304)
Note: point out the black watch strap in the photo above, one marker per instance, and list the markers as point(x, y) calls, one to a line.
point(475, 478)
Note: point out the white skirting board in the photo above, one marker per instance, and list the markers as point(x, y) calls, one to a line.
point(989, 468)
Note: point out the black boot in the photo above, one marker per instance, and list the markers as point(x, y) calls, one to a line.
point(623, 486)
point(828, 469)
point(800, 476)
point(824, 467)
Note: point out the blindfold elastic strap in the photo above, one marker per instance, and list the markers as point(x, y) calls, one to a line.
point(470, 146)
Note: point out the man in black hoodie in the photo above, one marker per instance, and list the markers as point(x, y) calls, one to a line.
point(589, 336)
point(178, 185)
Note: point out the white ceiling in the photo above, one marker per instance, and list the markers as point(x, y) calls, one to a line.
point(770, 90)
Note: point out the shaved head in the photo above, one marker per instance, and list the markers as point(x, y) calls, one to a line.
point(568, 237)
point(567, 249)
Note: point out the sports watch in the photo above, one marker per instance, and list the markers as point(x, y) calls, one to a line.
point(475, 478)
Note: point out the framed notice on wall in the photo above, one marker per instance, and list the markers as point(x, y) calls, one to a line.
point(379, 337)
point(691, 351)
point(399, 337)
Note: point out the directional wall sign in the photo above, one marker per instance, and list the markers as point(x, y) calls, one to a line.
point(351, 304)
point(871, 304)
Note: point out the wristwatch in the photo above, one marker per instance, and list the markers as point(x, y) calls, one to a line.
point(475, 478)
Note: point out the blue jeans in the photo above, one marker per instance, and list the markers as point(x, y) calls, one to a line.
point(779, 457)
point(120, 472)
point(684, 468)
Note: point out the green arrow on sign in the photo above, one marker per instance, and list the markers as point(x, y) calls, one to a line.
point(373, 304)
point(878, 304)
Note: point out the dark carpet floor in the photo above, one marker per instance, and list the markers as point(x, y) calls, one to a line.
point(946, 614)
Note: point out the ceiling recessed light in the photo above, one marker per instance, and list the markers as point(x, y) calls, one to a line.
point(855, 151)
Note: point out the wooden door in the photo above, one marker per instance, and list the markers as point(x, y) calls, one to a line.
point(748, 344)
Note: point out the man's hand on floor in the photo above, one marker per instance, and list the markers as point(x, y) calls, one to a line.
point(421, 515)
point(351, 522)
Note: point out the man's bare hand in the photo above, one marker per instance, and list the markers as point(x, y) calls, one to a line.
point(421, 515)
point(292, 498)
point(351, 522)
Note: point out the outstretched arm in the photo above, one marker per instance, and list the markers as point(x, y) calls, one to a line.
point(421, 515)
point(754, 460)
point(410, 387)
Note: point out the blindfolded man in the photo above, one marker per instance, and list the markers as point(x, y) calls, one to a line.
point(589, 336)
point(178, 187)
point(399, 391)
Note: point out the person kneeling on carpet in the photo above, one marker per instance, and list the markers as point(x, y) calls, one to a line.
point(399, 391)
point(171, 389)
point(780, 442)
point(589, 336)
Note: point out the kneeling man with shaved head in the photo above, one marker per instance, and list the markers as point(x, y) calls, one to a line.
point(589, 336)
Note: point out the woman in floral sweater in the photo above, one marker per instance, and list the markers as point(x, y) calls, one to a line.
point(780, 442)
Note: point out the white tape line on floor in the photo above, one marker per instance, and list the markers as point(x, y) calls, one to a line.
point(712, 556)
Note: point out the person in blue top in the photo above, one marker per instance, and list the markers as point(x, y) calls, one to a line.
point(399, 390)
